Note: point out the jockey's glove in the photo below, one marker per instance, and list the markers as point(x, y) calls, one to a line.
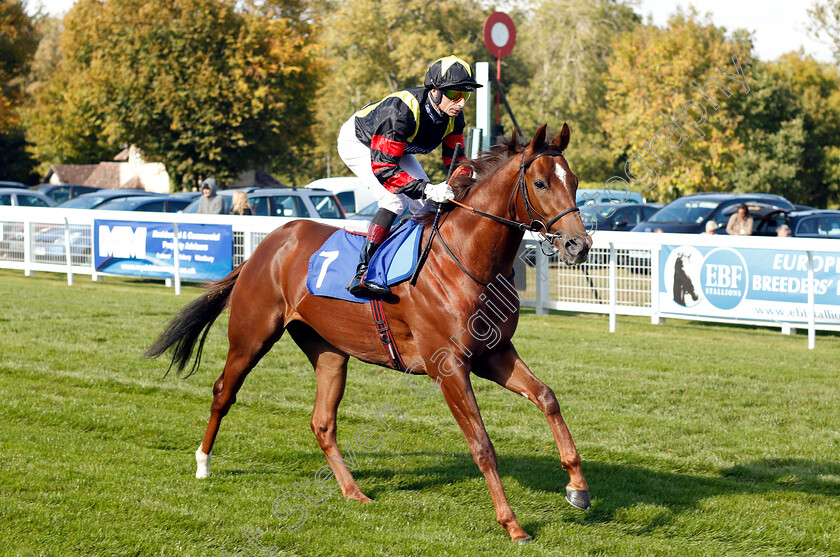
point(439, 193)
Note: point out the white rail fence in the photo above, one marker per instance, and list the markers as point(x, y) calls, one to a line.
point(782, 282)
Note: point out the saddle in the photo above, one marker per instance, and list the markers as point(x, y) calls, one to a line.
point(333, 265)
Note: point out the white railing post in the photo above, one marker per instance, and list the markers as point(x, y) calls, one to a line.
point(811, 312)
point(655, 252)
point(176, 255)
point(247, 244)
point(27, 248)
point(68, 255)
point(542, 281)
point(613, 286)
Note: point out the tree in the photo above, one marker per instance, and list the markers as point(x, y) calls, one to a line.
point(207, 87)
point(558, 70)
point(790, 125)
point(18, 41)
point(648, 87)
point(372, 48)
point(825, 22)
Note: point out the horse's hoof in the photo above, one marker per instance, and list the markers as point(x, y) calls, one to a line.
point(578, 498)
point(524, 540)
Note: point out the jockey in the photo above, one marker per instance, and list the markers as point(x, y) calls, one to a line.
point(378, 144)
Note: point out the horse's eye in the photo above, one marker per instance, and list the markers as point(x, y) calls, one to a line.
point(539, 184)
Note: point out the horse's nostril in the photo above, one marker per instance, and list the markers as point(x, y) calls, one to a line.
point(573, 246)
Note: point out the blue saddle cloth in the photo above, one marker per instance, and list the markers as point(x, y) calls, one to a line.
point(332, 267)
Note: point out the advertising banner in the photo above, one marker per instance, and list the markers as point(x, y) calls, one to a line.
point(146, 249)
point(746, 283)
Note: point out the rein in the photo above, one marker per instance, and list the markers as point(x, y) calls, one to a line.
point(540, 227)
point(536, 224)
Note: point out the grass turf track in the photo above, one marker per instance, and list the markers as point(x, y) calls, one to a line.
point(697, 439)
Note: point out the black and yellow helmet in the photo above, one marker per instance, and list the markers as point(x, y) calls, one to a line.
point(450, 73)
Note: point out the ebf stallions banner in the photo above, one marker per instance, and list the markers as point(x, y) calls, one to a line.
point(146, 249)
point(747, 283)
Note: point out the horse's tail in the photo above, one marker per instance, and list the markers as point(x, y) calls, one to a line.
point(192, 324)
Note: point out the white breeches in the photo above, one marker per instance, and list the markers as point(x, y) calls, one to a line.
point(357, 158)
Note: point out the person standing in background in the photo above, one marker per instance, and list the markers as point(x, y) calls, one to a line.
point(240, 204)
point(740, 223)
point(210, 203)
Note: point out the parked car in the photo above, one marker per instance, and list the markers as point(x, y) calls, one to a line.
point(592, 196)
point(146, 203)
point(18, 185)
point(24, 198)
point(367, 212)
point(813, 223)
point(689, 214)
point(283, 202)
point(62, 192)
point(623, 217)
point(191, 195)
point(766, 218)
point(94, 199)
point(351, 192)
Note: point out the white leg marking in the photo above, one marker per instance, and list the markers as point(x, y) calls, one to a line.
point(203, 463)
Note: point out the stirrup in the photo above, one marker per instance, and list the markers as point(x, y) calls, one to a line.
point(375, 290)
point(358, 287)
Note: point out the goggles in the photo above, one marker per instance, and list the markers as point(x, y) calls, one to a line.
point(456, 96)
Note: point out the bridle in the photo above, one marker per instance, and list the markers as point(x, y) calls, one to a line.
point(539, 224)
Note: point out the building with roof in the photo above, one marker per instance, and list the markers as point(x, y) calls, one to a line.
point(128, 170)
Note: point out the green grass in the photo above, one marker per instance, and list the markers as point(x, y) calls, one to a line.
point(696, 439)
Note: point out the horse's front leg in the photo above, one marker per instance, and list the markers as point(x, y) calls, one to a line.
point(458, 393)
point(504, 366)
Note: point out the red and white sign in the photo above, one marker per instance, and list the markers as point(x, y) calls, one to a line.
point(499, 34)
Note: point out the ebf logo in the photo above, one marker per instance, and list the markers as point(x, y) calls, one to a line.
point(724, 278)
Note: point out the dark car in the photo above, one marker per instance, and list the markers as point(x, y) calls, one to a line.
point(689, 214)
point(813, 223)
point(62, 192)
point(623, 217)
point(191, 195)
point(148, 204)
point(283, 202)
point(94, 199)
point(24, 198)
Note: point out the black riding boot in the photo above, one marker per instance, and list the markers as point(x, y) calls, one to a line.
point(377, 233)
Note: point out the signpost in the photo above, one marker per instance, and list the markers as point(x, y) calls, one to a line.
point(499, 37)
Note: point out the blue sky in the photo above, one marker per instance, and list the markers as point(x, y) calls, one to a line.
point(778, 25)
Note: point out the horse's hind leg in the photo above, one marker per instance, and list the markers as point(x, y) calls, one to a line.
point(250, 339)
point(505, 367)
point(331, 375)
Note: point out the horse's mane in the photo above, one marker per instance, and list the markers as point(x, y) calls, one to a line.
point(480, 168)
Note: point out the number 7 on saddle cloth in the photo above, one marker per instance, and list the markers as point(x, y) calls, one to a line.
point(333, 265)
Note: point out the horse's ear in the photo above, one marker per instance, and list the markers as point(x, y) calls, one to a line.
point(562, 139)
point(539, 138)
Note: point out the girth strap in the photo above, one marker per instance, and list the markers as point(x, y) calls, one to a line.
point(385, 335)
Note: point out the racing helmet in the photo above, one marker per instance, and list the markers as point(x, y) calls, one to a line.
point(450, 73)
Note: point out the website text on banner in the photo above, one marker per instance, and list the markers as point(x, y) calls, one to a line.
point(745, 283)
point(146, 249)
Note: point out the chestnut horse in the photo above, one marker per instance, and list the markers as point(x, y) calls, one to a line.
point(510, 190)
